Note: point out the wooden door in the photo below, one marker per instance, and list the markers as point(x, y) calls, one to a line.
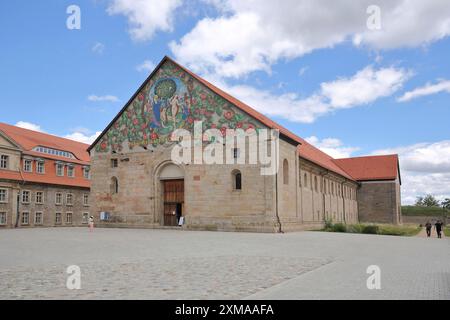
point(173, 197)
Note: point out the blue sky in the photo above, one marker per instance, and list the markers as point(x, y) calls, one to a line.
point(378, 91)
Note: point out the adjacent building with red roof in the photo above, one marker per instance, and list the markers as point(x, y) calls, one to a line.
point(140, 181)
point(44, 179)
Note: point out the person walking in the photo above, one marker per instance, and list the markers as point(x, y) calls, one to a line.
point(438, 226)
point(91, 223)
point(428, 228)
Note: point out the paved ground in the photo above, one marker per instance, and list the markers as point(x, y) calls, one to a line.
point(161, 264)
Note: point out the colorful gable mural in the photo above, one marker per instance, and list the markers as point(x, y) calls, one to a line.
point(171, 99)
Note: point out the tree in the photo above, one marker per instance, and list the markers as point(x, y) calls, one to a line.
point(430, 201)
point(446, 203)
point(419, 201)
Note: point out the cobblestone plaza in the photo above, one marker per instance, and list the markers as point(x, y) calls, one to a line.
point(175, 264)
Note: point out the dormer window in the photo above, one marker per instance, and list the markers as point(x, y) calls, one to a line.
point(54, 152)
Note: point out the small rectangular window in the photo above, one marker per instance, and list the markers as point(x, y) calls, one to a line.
point(69, 217)
point(85, 218)
point(58, 218)
point(38, 218)
point(25, 218)
point(40, 167)
point(28, 165)
point(58, 198)
point(86, 173)
point(26, 196)
point(3, 195)
point(69, 199)
point(59, 169)
point(4, 162)
point(39, 197)
point(71, 171)
point(235, 153)
point(114, 163)
point(2, 218)
point(85, 199)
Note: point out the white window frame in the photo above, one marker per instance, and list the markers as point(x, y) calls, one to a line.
point(25, 162)
point(87, 173)
point(36, 197)
point(42, 218)
point(60, 203)
point(69, 214)
point(38, 163)
point(83, 220)
point(71, 202)
point(6, 195)
point(29, 196)
point(72, 170)
point(86, 200)
point(4, 161)
point(22, 223)
point(56, 218)
point(3, 213)
point(58, 166)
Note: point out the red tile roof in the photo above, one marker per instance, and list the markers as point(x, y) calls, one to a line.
point(311, 153)
point(383, 167)
point(28, 139)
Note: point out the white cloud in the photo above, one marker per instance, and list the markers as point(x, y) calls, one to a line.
point(98, 48)
point(108, 98)
point(332, 146)
point(428, 89)
point(83, 136)
point(366, 86)
point(425, 168)
point(78, 134)
point(252, 35)
point(29, 126)
point(145, 17)
point(146, 66)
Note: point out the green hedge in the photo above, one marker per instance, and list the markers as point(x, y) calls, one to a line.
point(372, 229)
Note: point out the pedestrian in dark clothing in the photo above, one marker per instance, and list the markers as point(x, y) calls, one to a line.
point(438, 226)
point(428, 228)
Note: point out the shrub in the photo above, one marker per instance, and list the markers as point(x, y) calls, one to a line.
point(355, 228)
point(370, 229)
point(328, 224)
point(339, 227)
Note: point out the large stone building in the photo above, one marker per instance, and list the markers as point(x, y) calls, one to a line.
point(138, 182)
point(44, 180)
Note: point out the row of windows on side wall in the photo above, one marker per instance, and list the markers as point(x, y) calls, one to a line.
point(26, 197)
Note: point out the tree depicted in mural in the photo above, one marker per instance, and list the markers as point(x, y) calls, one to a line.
point(171, 99)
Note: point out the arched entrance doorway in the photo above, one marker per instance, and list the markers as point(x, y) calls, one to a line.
point(171, 178)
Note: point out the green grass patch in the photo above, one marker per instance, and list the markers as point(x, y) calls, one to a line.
point(383, 229)
point(423, 211)
point(447, 231)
